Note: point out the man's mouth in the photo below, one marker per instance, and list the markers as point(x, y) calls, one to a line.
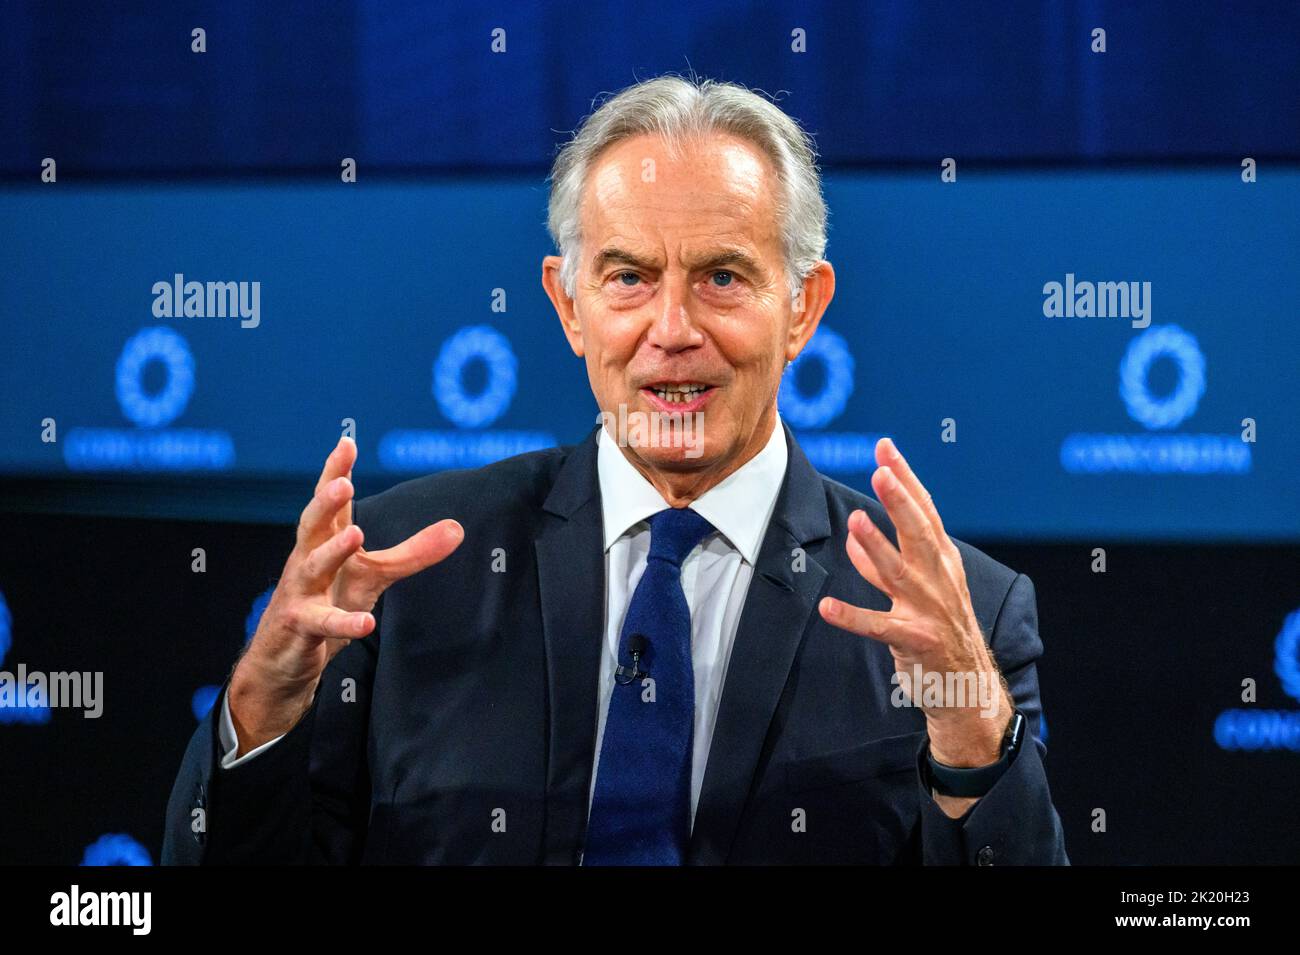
point(678, 395)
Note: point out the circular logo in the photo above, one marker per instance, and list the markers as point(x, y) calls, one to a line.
point(493, 349)
point(1162, 341)
point(155, 344)
point(6, 629)
point(203, 699)
point(1286, 655)
point(116, 848)
point(818, 410)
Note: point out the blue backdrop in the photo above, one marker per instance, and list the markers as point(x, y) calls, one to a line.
point(415, 310)
point(405, 84)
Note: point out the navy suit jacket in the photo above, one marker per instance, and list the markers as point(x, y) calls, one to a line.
point(463, 729)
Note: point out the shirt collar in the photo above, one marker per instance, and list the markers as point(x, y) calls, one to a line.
point(740, 506)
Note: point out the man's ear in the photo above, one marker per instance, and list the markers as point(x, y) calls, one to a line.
point(563, 304)
point(808, 306)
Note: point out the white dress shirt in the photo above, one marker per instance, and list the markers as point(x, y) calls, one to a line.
point(715, 580)
point(715, 575)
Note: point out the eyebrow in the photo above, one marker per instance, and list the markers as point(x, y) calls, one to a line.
point(709, 260)
point(723, 259)
point(613, 254)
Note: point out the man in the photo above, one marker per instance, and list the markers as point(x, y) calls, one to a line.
point(691, 648)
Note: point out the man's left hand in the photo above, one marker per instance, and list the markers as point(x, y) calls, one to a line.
point(931, 624)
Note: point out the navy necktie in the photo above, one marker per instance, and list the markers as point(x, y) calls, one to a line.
point(641, 809)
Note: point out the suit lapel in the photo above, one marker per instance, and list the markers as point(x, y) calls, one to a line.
point(570, 557)
point(778, 608)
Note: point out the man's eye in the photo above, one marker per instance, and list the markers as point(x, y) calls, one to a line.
point(722, 279)
point(628, 278)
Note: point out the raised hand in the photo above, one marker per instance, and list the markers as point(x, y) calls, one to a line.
point(931, 629)
point(323, 601)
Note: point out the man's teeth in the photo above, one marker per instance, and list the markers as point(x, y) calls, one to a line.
point(675, 394)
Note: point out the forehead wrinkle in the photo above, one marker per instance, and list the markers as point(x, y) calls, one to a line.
point(690, 215)
point(717, 255)
point(617, 176)
point(622, 206)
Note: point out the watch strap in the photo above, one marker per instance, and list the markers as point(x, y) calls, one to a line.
point(974, 781)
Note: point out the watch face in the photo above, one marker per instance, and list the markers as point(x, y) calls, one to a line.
point(1012, 736)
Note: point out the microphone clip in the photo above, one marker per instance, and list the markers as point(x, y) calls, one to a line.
point(624, 675)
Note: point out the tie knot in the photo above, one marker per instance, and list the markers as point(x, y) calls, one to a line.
point(674, 532)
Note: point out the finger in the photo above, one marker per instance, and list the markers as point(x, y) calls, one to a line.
point(317, 522)
point(324, 620)
point(914, 530)
point(887, 453)
point(338, 463)
point(876, 624)
point(884, 556)
point(324, 562)
point(865, 623)
point(417, 552)
point(344, 517)
point(863, 562)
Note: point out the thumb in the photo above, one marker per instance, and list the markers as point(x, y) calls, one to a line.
point(418, 552)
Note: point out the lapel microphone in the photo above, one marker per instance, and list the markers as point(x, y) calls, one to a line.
point(625, 675)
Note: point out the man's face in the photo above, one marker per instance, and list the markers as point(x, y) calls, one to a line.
point(681, 287)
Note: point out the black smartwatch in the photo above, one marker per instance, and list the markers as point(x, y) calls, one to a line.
point(976, 780)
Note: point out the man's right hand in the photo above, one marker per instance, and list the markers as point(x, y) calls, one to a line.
point(322, 602)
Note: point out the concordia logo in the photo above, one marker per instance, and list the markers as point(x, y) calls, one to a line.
point(831, 452)
point(154, 447)
point(116, 848)
point(1256, 730)
point(1159, 453)
point(474, 444)
point(25, 707)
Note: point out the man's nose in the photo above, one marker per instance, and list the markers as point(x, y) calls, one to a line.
point(674, 327)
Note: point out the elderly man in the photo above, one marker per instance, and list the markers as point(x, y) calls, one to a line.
point(685, 646)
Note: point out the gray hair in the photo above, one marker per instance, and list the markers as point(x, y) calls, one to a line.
point(673, 108)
